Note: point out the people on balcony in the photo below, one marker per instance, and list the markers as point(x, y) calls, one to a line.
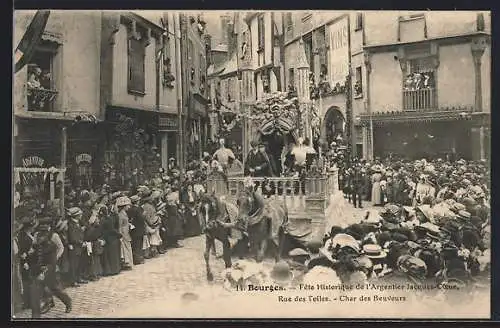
point(417, 81)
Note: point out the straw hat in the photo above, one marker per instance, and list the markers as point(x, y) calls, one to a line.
point(74, 212)
point(374, 251)
point(123, 201)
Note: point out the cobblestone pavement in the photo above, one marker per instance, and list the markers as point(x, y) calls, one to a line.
point(168, 276)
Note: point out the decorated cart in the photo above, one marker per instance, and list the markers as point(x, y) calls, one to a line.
point(278, 120)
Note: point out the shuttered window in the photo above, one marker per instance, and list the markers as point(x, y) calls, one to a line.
point(136, 66)
point(261, 32)
point(321, 44)
point(359, 22)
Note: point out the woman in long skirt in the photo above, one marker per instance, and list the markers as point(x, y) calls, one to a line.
point(175, 222)
point(192, 226)
point(95, 236)
point(111, 237)
point(123, 204)
point(376, 188)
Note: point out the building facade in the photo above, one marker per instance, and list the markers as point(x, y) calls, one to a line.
point(140, 92)
point(325, 40)
point(117, 106)
point(224, 83)
point(57, 98)
point(194, 130)
point(425, 83)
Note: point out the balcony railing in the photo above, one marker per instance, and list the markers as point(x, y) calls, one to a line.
point(419, 99)
point(40, 99)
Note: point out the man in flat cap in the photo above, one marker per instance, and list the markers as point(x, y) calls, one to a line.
point(75, 245)
point(43, 263)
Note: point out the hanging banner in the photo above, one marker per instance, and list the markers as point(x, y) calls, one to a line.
point(338, 39)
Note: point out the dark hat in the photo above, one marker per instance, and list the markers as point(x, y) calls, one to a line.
point(412, 266)
point(314, 245)
point(44, 224)
point(254, 143)
point(281, 272)
point(399, 237)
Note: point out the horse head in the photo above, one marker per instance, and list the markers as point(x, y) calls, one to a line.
point(246, 205)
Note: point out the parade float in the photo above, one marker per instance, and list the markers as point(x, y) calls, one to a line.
point(277, 120)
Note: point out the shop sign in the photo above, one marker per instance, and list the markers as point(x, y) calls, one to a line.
point(168, 123)
point(338, 35)
point(33, 181)
point(83, 158)
point(33, 161)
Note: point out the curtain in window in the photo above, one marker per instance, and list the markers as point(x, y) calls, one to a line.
point(136, 65)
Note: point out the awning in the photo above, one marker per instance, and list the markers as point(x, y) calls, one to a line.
point(76, 116)
point(197, 105)
point(279, 124)
point(415, 117)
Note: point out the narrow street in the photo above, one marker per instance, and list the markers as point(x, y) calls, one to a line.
point(163, 280)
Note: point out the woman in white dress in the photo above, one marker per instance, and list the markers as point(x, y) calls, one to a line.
point(123, 204)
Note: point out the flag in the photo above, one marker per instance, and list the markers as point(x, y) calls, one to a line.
point(30, 39)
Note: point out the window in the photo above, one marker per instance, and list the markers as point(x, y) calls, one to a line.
point(231, 89)
point(321, 47)
point(480, 22)
point(358, 85)
point(288, 22)
point(136, 66)
point(419, 85)
point(192, 73)
point(260, 28)
point(359, 22)
point(266, 85)
point(168, 76)
point(291, 78)
point(308, 47)
point(41, 88)
point(412, 28)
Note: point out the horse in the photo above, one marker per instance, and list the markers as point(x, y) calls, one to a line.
point(218, 226)
point(265, 224)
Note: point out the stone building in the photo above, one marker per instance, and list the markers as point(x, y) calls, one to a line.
point(54, 94)
point(424, 81)
point(193, 62)
point(323, 40)
point(96, 69)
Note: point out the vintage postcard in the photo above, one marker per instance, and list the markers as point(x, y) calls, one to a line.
point(251, 164)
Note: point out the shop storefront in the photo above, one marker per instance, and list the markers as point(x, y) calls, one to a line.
point(168, 128)
point(39, 144)
point(197, 126)
point(133, 147)
point(450, 139)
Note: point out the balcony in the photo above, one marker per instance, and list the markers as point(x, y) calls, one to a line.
point(419, 99)
point(40, 99)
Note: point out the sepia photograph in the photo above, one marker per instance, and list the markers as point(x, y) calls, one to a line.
point(251, 164)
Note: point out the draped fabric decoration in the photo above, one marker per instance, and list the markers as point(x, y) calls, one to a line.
point(280, 126)
point(31, 38)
